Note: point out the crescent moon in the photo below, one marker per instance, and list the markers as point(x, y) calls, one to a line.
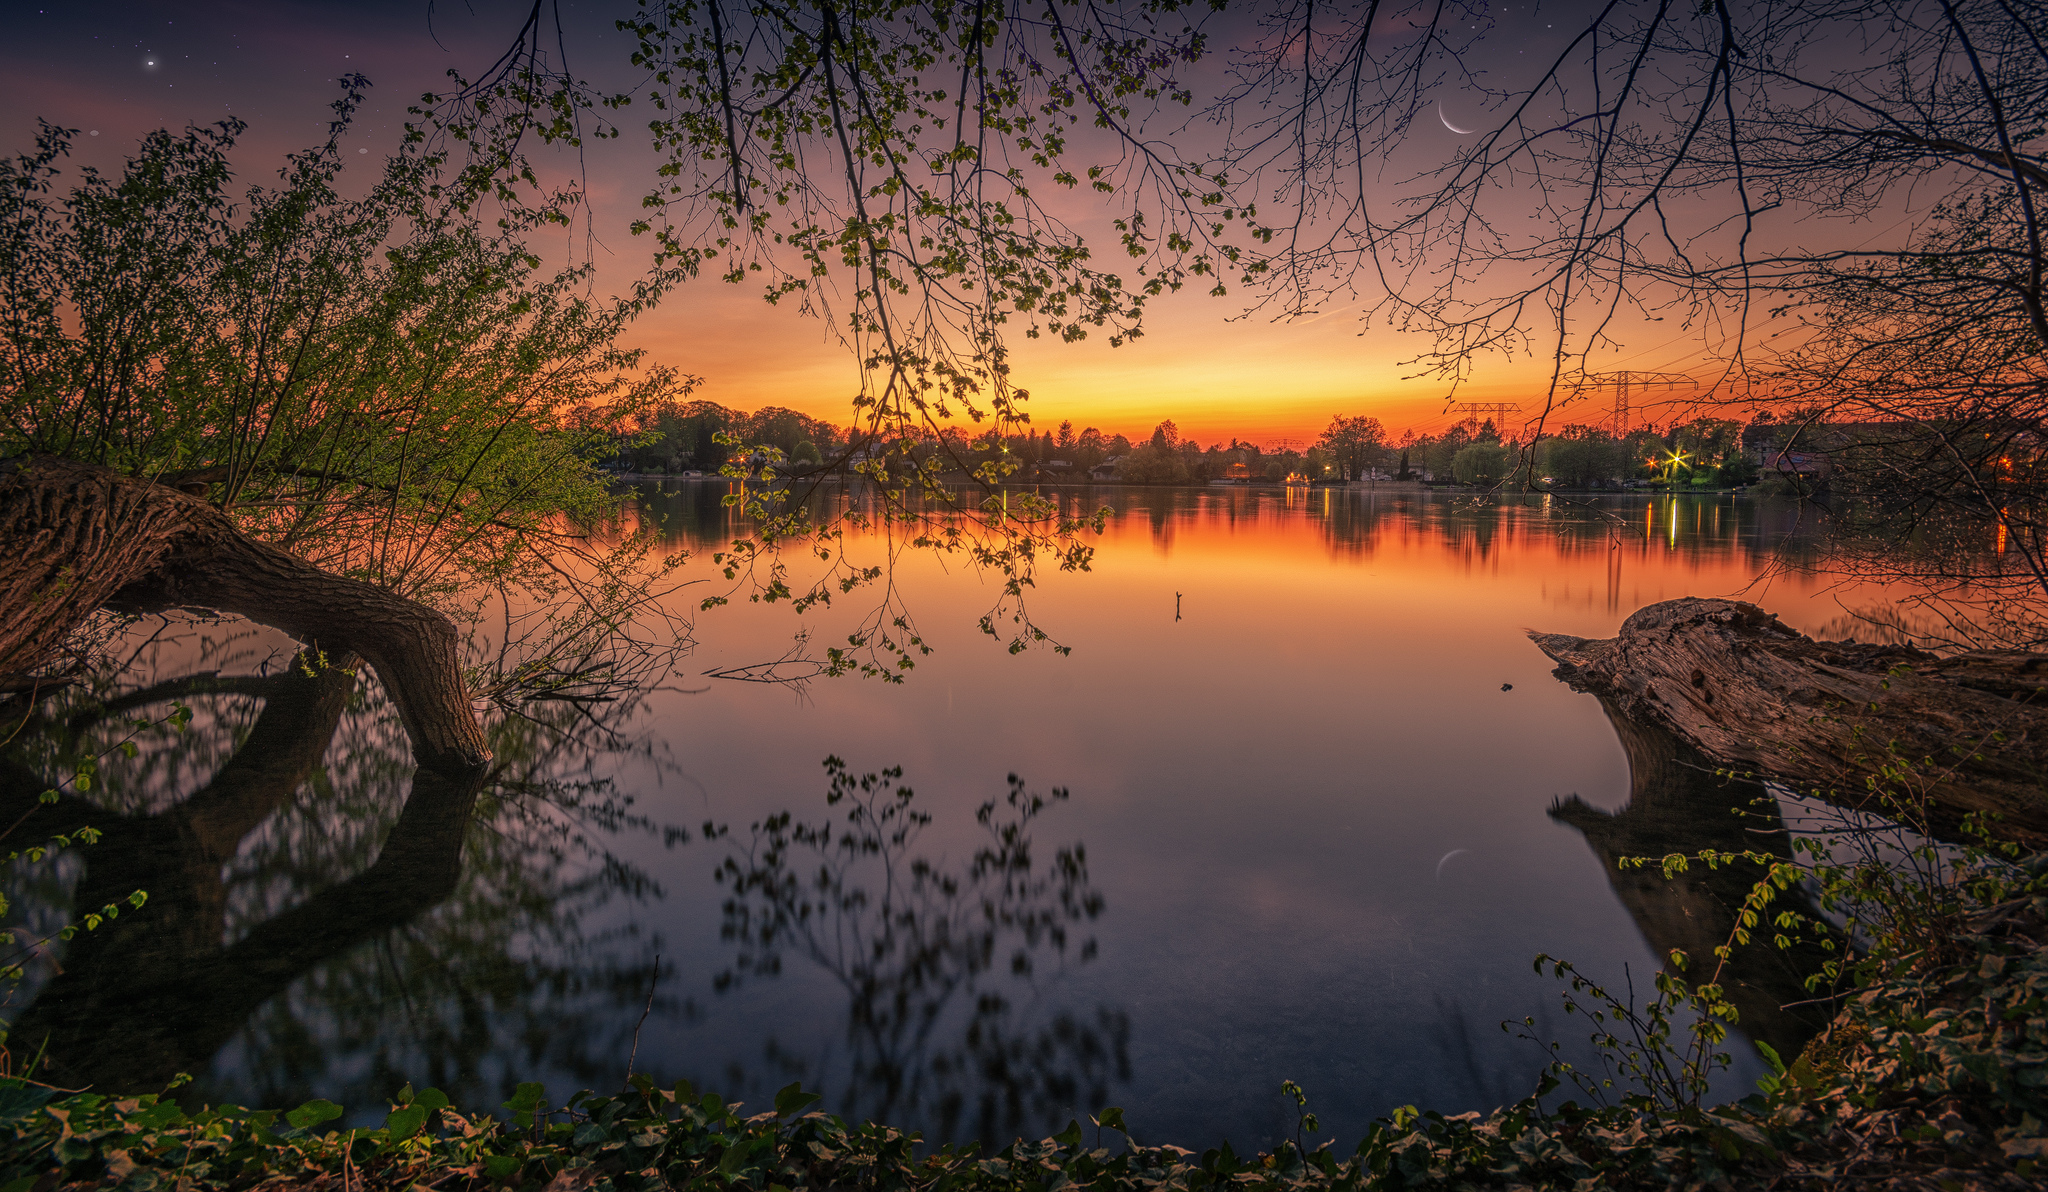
point(1463, 132)
point(1447, 856)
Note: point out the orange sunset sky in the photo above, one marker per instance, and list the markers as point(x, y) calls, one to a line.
point(115, 74)
point(1213, 376)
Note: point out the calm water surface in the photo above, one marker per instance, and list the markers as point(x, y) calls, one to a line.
point(1323, 805)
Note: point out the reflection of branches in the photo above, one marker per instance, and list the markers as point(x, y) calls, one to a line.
point(910, 941)
point(321, 918)
point(177, 855)
point(610, 639)
point(1955, 589)
point(1481, 1078)
point(794, 669)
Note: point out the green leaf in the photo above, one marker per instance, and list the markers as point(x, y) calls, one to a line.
point(73, 1150)
point(18, 1099)
point(525, 1100)
point(312, 1113)
point(406, 1122)
point(793, 1100)
point(498, 1168)
point(157, 1116)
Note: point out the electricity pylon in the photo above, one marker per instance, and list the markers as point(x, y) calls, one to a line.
point(1624, 383)
point(1496, 409)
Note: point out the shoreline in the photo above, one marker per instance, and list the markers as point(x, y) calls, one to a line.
point(1401, 486)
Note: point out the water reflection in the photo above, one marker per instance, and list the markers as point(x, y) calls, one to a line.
point(1270, 781)
point(1677, 804)
point(175, 958)
point(1357, 522)
point(939, 965)
point(321, 919)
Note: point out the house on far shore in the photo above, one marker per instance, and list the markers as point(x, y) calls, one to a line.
point(1808, 449)
point(1106, 470)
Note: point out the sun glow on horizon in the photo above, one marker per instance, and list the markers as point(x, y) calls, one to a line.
point(1215, 378)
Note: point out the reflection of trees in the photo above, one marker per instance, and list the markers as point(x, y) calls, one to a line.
point(1159, 507)
point(1678, 805)
point(1354, 523)
point(321, 918)
point(1768, 534)
point(692, 513)
point(934, 961)
point(1955, 582)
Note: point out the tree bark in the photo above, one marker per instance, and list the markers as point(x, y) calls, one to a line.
point(74, 537)
point(1946, 735)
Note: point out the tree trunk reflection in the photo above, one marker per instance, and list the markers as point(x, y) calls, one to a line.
point(1677, 804)
point(157, 993)
point(323, 918)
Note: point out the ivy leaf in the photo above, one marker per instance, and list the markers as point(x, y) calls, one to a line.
point(312, 1113)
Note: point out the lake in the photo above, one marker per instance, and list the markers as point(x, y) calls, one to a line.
point(1323, 805)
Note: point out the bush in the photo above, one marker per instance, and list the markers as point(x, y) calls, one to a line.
point(1782, 484)
point(1578, 462)
point(1154, 465)
point(1485, 464)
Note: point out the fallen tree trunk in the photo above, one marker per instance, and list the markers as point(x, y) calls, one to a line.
point(1851, 722)
point(75, 537)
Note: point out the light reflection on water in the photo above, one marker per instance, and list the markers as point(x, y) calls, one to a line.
point(1315, 810)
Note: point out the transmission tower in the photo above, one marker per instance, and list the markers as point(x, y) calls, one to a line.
point(1282, 446)
point(1624, 383)
point(1496, 410)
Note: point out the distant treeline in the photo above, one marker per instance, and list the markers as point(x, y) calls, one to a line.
point(1703, 452)
point(684, 436)
point(705, 436)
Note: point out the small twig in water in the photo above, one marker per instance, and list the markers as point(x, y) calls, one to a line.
point(653, 983)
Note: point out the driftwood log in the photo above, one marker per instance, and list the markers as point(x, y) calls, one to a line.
point(1846, 720)
point(75, 537)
